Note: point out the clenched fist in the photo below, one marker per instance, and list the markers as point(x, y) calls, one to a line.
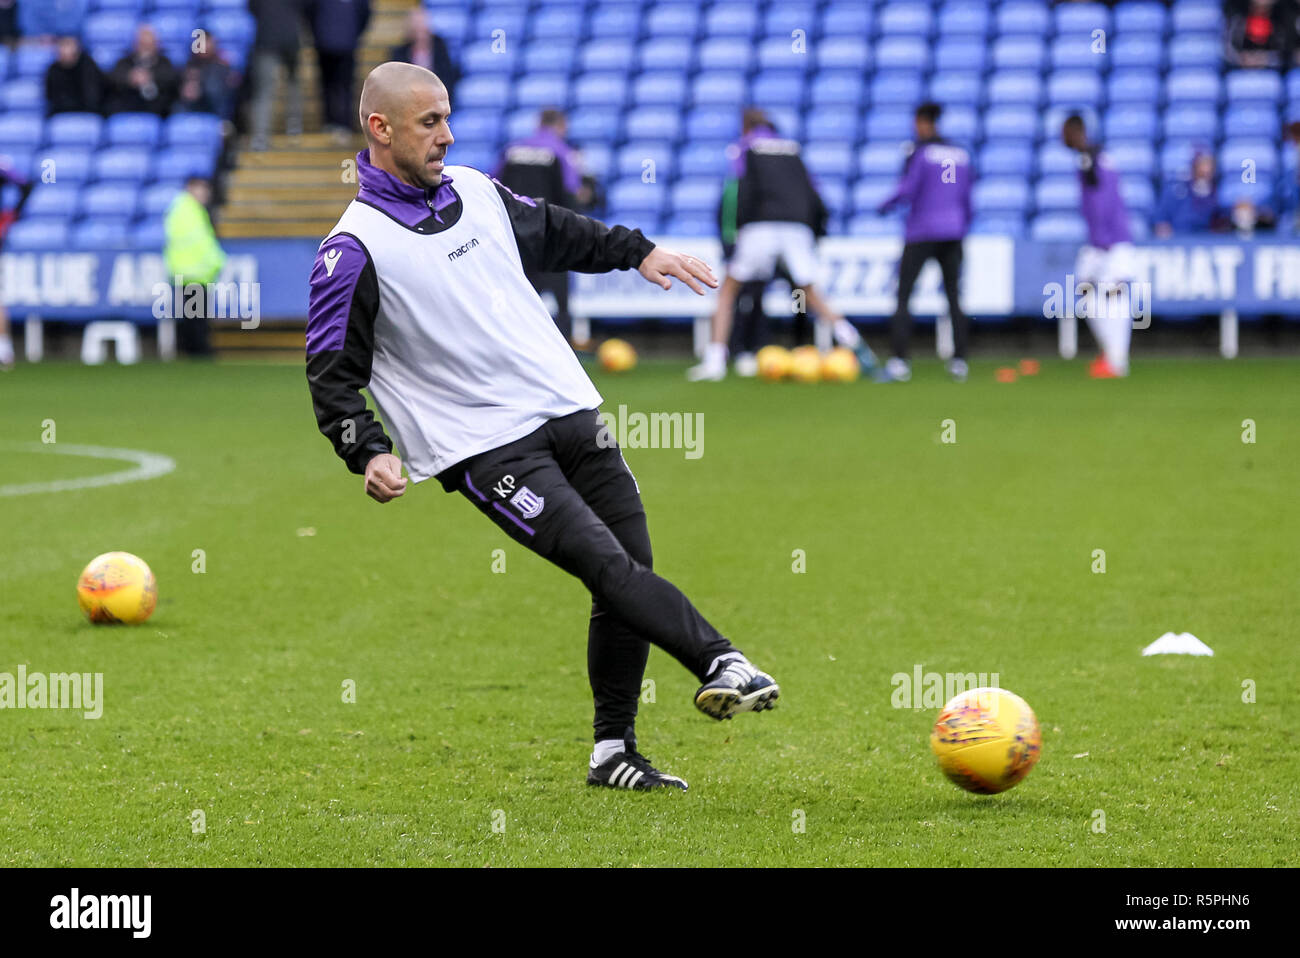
point(384, 479)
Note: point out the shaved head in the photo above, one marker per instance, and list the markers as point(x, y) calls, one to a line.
point(404, 110)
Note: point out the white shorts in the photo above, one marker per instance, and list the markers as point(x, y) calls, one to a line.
point(1105, 266)
point(759, 244)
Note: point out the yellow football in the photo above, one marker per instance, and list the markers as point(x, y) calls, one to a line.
point(117, 587)
point(773, 363)
point(986, 740)
point(840, 366)
point(616, 355)
point(805, 364)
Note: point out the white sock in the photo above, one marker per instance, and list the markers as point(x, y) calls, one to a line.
point(715, 355)
point(6, 349)
point(1120, 331)
point(605, 749)
point(845, 334)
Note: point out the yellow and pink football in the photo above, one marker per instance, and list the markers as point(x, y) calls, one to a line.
point(117, 588)
point(986, 740)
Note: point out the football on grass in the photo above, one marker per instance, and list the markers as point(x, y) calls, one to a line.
point(986, 740)
point(117, 588)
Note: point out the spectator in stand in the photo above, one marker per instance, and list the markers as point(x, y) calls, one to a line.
point(47, 19)
point(337, 26)
point(74, 83)
point(192, 254)
point(1255, 34)
point(9, 21)
point(143, 81)
point(276, 45)
point(425, 48)
point(1191, 203)
point(209, 82)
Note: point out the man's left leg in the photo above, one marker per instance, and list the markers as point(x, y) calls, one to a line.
point(948, 253)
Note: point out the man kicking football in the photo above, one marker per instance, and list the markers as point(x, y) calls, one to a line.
point(420, 293)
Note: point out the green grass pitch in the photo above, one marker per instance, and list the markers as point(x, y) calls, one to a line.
point(468, 739)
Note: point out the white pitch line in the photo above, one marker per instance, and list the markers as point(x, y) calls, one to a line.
point(148, 465)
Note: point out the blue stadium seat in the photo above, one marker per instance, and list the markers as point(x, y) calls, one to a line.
point(1001, 194)
point(176, 163)
point(452, 24)
point(608, 54)
point(831, 123)
point(541, 90)
point(100, 232)
point(732, 20)
point(691, 224)
point(476, 157)
point(881, 159)
point(898, 17)
point(1193, 85)
point(32, 60)
point(38, 233)
point(1137, 51)
point(1135, 157)
point(632, 158)
point(1082, 18)
point(192, 129)
point(869, 224)
point(725, 53)
point(1057, 192)
point(1059, 227)
point(964, 17)
point(23, 93)
point(896, 88)
point(1006, 224)
point(617, 20)
point(1006, 159)
point(1021, 87)
point(1263, 86)
point(124, 129)
point(1010, 122)
point(1176, 157)
point(1141, 16)
point(703, 158)
point(847, 20)
point(838, 88)
point(1130, 121)
point(123, 163)
point(1247, 119)
point(111, 199)
point(509, 19)
point(1024, 16)
point(651, 123)
point(834, 193)
point(1056, 159)
point(147, 235)
point(961, 124)
point(680, 20)
point(1137, 86)
point(54, 200)
point(870, 191)
point(132, 7)
point(777, 53)
point(902, 53)
point(1232, 189)
point(1293, 85)
point(556, 23)
point(1019, 52)
point(480, 126)
point(713, 123)
point(549, 56)
point(16, 129)
point(1078, 51)
point(843, 52)
point(960, 53)
point(487, 92)
point(777, 88)
point(1190, 121)
point(631, 196)
point(829, 158)
point(1075, 88)
point(893, 123)
point(519, 123)
point(790, 15)
point(787, 120)
point(1262, 153)
point(1138, 194)
point(479, 60)
point(1204, 15)
point(108, 28)
point(666, 53)
point(20, 158)
point(695, 194)
point(719, 88)
point(666, 88)
point(74, 129)
point(155, 199)
point(595, 124)
point(1195, 50)
point(598, 89)
point(954, 88)
point(69, 165)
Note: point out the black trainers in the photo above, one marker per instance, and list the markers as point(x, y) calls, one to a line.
point(630, 769)
point(737, 687)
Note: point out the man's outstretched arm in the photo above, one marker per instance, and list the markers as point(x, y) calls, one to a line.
point(553, 239)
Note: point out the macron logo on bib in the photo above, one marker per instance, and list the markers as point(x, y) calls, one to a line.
point(332, 258)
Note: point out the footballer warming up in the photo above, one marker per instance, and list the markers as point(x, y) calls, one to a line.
point(420, 293)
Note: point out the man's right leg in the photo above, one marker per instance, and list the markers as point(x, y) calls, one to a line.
point(909, 267)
